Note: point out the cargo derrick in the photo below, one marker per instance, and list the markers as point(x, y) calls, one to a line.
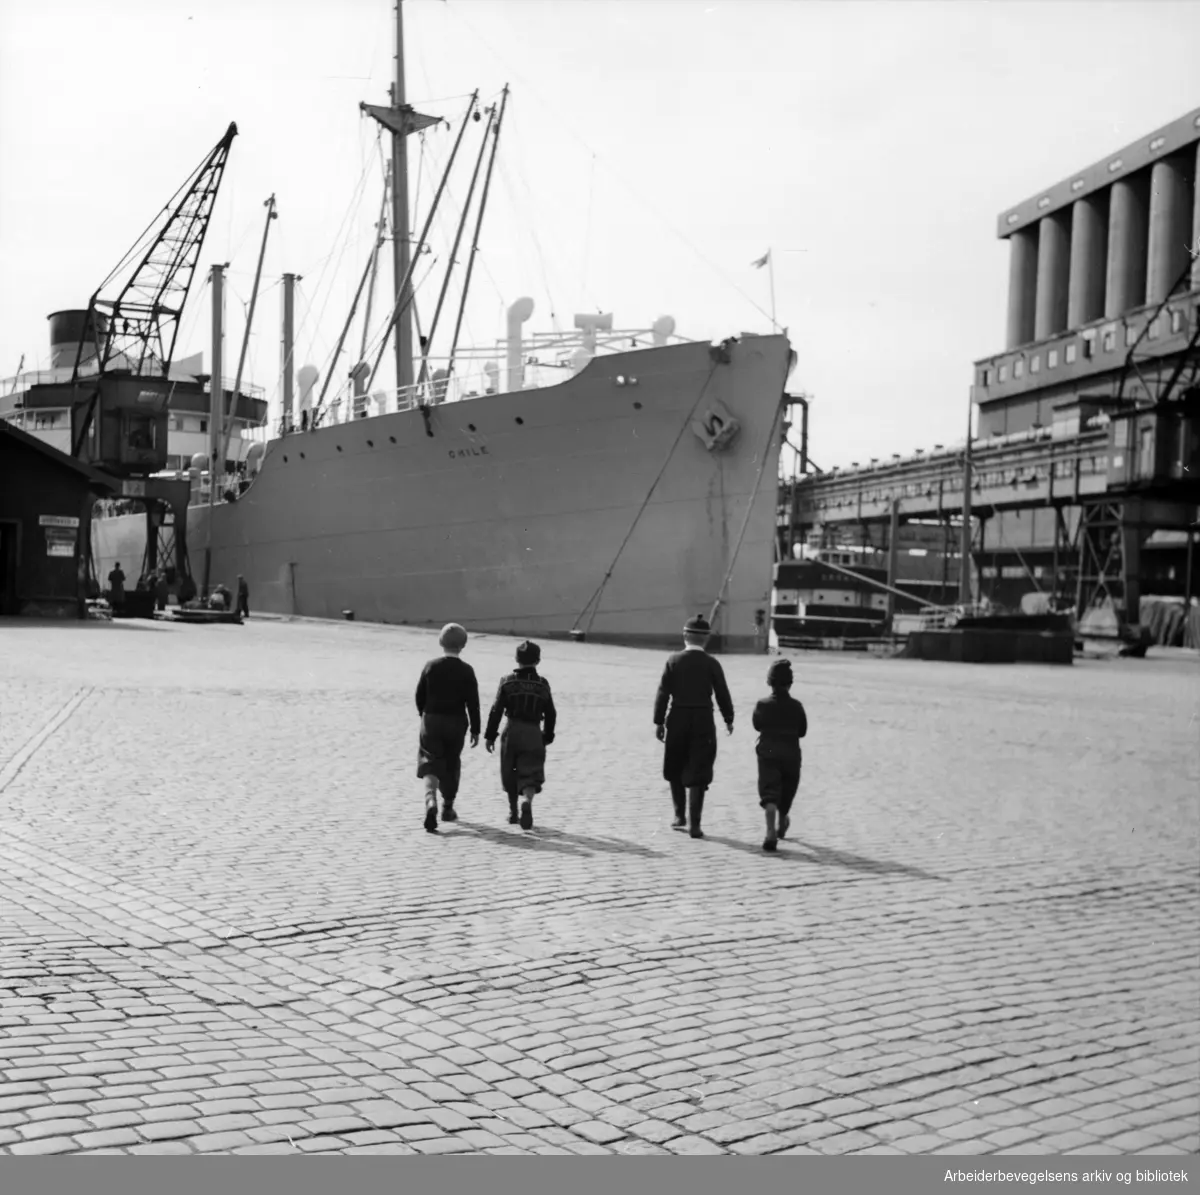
point(121, 379)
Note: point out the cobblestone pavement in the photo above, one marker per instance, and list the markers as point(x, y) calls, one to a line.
point(222, 928)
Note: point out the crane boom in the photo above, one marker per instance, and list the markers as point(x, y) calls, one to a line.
point(136, 331)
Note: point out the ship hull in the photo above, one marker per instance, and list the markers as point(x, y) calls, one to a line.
point(508, 512)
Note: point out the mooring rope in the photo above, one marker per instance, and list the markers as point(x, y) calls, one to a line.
point(737, 547)
point(593, 602)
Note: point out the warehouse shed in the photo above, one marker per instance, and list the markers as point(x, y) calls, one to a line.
point(46, 500)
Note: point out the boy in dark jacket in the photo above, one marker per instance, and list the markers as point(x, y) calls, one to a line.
point(447, 700)
point(525, 698)
point(689, 682)
point(781, 722)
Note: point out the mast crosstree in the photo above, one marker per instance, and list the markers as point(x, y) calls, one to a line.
point(401, 120)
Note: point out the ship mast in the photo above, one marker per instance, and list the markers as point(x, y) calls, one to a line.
point(400, 120)
point(400, 230)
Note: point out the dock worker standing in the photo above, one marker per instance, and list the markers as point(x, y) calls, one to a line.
point(688, 731)
point(525, 698)
point(448, 702)
point(116, 587)
point(243, 597)
point(161, 590)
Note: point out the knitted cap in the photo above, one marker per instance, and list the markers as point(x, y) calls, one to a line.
point(453, 637)
point(528, 652)
point(780, 674)
point(697, 626)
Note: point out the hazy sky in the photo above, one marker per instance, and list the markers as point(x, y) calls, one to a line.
point(653, 149)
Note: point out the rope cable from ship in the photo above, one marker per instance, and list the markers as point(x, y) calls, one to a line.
point(425, 239)
point(587, 231)
point(554, 112)
point(482, 263)
point(344, 239)
point(529, 206)
point(1024, 563)
point(139, 246)
point(383, 334)
point(737, 547)
point(193, 315)
point(444, 225)
point(593, 603)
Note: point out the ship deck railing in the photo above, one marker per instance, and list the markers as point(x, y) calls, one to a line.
point(481, 371)
point(27, 379)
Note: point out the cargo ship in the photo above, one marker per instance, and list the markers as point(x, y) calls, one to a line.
point(637, 489)
point(602, 506)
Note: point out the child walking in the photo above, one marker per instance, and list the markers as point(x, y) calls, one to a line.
point(688, 732)
point(525, 698)
point(448, 701)
point(781, 722)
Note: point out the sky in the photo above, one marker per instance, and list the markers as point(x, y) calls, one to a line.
point(652, 150)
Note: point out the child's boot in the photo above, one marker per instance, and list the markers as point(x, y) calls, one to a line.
point(695, 811)
point(769, 842)
point(513, 817)
point(527, 809)
point(679, 800)
point(431, 791)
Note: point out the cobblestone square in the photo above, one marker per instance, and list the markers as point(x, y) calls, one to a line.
point(223, 929)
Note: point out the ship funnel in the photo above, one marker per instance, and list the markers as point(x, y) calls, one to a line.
point(307, 380)
point(491, 371)
point(70, 328)
point(663, 328)
point(518, 313)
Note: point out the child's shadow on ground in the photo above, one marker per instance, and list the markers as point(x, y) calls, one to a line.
point(828, 857)
point(556, 841)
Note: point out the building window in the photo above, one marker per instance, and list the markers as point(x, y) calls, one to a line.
point(1052, 358)
point(1176, 321)
point(1018, 367)
point(1110, 341)
point(1152, 332)
point(204, 425)
point(1072, 352)
point(1035, 363)
point(985, 378)
point(1002, 374)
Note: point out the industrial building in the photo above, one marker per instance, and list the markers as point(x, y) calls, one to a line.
point(1103, 265)
point(46, 501)
point(1085, 453)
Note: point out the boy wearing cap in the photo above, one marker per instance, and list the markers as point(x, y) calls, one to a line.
point(447, 700)
point(689, 682)
point(525, 698)
point(781, 723)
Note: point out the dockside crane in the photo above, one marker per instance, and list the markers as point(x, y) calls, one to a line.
point(121, 379)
